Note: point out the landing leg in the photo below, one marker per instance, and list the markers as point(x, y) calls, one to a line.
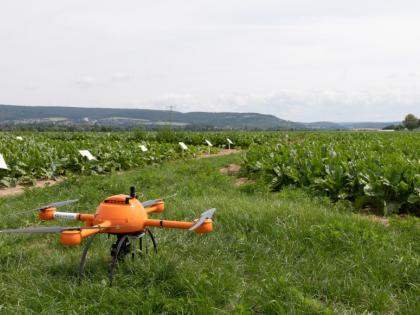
point(84, 255)
point(122, 247)
point(117, 255)
point(135, 236)
point(153, 240)
point(141, 245)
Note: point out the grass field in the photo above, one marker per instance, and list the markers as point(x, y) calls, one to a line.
point(270, 253)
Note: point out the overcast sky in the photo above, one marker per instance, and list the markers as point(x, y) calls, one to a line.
point(302, 60)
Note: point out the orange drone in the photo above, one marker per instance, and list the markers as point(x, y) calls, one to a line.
point(120, 215)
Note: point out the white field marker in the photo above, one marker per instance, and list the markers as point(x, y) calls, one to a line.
point(3, 164)
point(87, 155)
point(143, 148)
point(183, 146)
point(229, 142)
point(19, 138)
point(209, 145)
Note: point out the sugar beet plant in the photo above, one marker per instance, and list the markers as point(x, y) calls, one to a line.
point(51, 154)
point(376, 170)
point(48, 155)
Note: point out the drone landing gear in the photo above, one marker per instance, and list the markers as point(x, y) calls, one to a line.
point(84, 255)
point(121, 248)
point(152, 238)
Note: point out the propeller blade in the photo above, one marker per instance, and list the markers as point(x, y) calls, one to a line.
point(54, 229)
point(51, 205)
point(152, 202)
point(204, 216)
point(45, 229)
point(58, 204)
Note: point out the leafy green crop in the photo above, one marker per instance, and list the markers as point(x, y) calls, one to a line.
point(48, 155)
point(52, 154)
point(379, 170)
point(370, 169)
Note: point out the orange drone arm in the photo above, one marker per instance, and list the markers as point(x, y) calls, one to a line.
point(204, 228)
point(168, 224)
point(74, 237)
point(52, 214)
point(88, 218)
point(157, 207)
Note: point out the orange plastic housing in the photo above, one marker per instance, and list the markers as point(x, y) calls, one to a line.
point(46, 214)
point(158, 207)
point(123, 215)
point(207, 227)
point(70, 238)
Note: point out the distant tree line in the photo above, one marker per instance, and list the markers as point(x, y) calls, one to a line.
point(75, 127)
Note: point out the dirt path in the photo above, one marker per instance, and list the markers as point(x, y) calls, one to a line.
point(19, 189)
point(220, 153)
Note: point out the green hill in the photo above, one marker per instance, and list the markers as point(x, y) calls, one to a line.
point(115, 116)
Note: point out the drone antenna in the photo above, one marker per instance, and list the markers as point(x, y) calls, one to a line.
point(133, 192)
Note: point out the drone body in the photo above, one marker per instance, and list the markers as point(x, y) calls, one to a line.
point(121, 215)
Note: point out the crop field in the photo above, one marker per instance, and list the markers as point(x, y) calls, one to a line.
point(377, 170)
point(291, 238)
point(44, 156)
point(380, 171)
point(31, 156)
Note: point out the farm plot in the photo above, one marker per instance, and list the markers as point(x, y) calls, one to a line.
point(33, 155)
point(375, 170)
point(43, 156)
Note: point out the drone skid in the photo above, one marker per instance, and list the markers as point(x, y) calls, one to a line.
point(119, 250)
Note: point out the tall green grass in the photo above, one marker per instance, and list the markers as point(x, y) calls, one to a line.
point(269, 253)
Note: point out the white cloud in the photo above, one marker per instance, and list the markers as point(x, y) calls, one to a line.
point(119, 76)
point(310, 106)
point(299, 59)
point(86, 81)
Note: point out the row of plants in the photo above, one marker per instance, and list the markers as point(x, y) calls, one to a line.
point(380, 171)
point(32, 156)
point(45, 155)
point(219, 139)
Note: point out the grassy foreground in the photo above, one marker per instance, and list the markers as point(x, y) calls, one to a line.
point(270, 253)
